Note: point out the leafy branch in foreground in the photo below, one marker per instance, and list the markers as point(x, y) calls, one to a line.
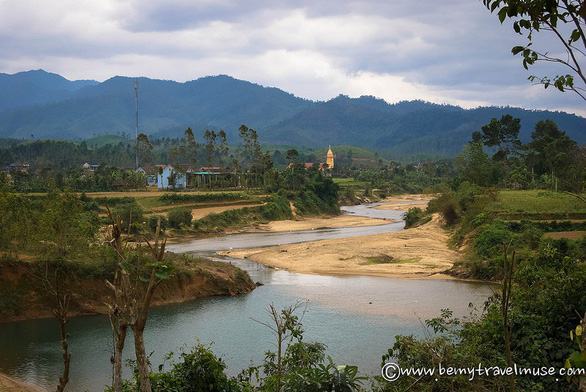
point(565, 21)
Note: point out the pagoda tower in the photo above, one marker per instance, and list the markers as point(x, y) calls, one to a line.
point(330, 158)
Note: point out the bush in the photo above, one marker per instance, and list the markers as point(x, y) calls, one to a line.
point(130, 213)
point(413, 217)
point(491, 238)
point(178, 217)
point(199, 370)
point(154, 219)
point(447, 206)
point(175, 198)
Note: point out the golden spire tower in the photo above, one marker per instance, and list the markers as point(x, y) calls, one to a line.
point(330, 158)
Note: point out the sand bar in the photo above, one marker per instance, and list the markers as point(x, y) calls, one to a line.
point(420, 252)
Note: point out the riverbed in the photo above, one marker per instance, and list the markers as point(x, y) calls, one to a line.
point(357, 317)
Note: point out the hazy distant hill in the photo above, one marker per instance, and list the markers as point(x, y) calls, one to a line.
point(36, 87)
point(49, 106)
point(405, 128)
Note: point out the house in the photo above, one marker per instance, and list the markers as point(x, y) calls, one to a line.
point(151, 180)
point(18, 168)
point(170, 178)
point(90, 167)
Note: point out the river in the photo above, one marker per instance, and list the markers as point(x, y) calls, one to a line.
point(357, 317)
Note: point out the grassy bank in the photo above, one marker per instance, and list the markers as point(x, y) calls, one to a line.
point(483, 222)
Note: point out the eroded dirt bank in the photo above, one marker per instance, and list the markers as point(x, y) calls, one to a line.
point(23, 297)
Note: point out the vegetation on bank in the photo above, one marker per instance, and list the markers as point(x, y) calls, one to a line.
point(537, 318)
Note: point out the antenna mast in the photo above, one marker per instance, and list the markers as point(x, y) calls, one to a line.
point(136, 130)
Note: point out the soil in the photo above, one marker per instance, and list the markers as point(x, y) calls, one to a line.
point(23, 296)
point(420, 252)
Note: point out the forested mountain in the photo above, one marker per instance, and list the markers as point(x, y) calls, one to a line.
point(48, 106)
point(36, 87)
point(405, 128)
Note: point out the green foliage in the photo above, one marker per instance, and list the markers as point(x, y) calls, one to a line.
point(198, 371)
point(447, 205)
point(415, 216)
point(131, 216)
point(177, 198)
point(476, 167)
point(405, 178)
point(276, 208)
point(504, 135)
point(491, 238)
point(297, 365)
point(548, 297)
point(178, 217)
point(564, 20)
point(154, 220)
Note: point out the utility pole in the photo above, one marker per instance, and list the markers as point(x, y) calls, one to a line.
point(136, 130)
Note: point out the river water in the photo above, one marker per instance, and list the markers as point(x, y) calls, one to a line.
point(357, 317)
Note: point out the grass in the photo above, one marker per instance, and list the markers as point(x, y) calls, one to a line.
point(538, 205)
point(156, 202)
point(570, 235)
point(349, 183)
point(538, 201)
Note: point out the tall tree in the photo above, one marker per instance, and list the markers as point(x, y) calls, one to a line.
point(565, 21)
point(210, 137)
point(551, 150)
point(190, 146)
point(144, 150)
point(502, 134)
point(292, 156)
point(223, 148)
point(475, 166)
point(252, 150)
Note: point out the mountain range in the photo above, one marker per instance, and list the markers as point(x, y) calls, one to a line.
point(44, 105)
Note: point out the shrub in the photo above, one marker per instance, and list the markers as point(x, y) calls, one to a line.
point(447, 206)
point(491, 238)
point(154, 219)
point(413, 216)
point(174, 198)
point(178, 217)
point(199, 370)
point(129, 213)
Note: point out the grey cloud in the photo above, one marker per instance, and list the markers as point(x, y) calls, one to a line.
point(454, 48)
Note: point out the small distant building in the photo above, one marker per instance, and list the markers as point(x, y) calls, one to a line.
point(170, 178)
point(90, 167)
point(211, 169)
point(310, 165)
point(18, 168)
point(151, 180)
point(330, 158)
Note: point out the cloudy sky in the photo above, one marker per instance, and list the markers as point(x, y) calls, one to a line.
point(448, 51)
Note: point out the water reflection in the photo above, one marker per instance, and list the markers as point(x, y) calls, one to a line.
point(356, 317)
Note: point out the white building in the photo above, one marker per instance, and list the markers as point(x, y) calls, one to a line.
point(169, 178)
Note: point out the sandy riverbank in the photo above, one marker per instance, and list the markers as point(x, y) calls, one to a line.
point(8, 384)
point(402, 203)
point(313, 223)
point(420, 252)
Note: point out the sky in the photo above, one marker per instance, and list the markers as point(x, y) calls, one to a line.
point(443, 51)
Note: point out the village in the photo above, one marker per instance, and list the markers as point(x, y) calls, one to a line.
point(168, 177)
